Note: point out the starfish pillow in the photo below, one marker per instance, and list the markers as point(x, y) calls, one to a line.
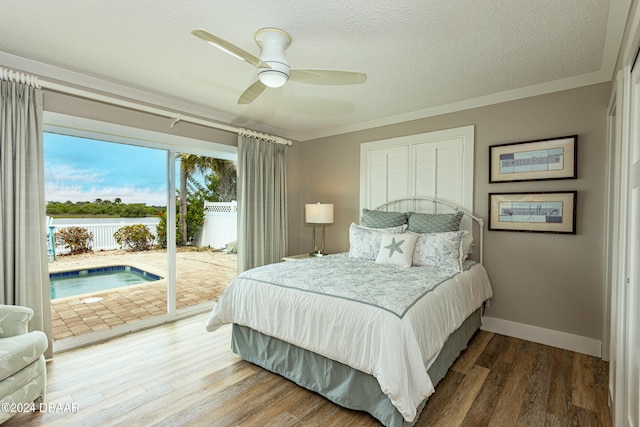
point(397, 249)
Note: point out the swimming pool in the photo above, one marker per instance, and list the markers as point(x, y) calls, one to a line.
point(77, 282)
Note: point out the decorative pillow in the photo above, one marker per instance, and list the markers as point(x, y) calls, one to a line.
point(397, 249)
point(440, 250)
point(364, 242)
point(434, 223)
point(382, 219)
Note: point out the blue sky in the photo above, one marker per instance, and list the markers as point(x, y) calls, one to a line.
point(79, 169)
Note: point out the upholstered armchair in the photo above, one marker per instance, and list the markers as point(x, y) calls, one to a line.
point(23, 374)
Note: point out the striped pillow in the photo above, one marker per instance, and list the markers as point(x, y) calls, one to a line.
point(434, 223)
point(382, 219)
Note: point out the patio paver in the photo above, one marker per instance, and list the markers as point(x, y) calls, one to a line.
point(202, 275)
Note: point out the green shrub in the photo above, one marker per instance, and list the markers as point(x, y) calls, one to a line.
point(161, 229)
point(76, 239)
point(195, 220)
point(136, 237)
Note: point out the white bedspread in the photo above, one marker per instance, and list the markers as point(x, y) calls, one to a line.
point(387, 321)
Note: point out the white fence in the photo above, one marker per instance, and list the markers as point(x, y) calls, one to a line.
point(102, 232)
point(220, 225)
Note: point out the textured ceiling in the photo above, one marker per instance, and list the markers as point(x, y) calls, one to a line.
point(421, 57)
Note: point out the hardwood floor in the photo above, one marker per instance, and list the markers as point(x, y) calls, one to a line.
point(179, 374)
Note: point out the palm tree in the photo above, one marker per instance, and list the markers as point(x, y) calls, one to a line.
point(228, 189)
point(226, 171)
point(189, 165)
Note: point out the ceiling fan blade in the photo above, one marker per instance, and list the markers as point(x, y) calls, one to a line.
point(229, 48)
point(252, 92)
point(327, 77)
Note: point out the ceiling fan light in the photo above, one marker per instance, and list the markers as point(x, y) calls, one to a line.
point(273, 78)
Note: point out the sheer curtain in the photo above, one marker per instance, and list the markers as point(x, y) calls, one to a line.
point(24, 278)
point(262, 202)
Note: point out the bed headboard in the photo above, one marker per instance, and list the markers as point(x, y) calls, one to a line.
point(469, 221)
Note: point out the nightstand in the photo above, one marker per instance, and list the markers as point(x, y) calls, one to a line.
point(295, 257)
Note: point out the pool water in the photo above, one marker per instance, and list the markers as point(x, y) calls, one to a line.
point(78, 282)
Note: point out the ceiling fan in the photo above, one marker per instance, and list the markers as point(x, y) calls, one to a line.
point(273, 68)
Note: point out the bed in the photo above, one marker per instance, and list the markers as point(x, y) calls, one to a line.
point(373, 329)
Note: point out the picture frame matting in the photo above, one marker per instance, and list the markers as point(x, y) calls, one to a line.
point(543, 159)
point(541, 212)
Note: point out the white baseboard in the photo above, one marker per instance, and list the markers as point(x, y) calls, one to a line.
point(544, 336)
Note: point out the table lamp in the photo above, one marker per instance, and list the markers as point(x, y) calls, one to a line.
point(318, 213)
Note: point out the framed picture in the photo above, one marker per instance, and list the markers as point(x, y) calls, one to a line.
point(534, 160)
point(545, 212)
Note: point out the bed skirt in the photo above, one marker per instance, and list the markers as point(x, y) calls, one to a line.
point(337, 382)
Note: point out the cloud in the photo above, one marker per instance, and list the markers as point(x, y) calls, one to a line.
point(64, 182)
point(65, 192)
point(61, 172)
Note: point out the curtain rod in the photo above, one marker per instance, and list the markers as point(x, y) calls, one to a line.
point(31, 80)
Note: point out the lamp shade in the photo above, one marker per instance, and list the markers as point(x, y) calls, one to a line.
point(318, 213)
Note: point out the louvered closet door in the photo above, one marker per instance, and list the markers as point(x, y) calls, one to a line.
point(438, 171)
point(435, 165)
point(387, 177)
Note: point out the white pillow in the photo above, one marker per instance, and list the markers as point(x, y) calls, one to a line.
point(467, 244)
point(364, 242)
point(397, 249)
point(440, 250)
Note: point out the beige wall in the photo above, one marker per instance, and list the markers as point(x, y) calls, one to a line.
point(545, 280)
point(79, 107)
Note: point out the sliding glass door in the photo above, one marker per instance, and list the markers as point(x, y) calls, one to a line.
point(140, 233)
point(103, 214)
point(206, 225)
